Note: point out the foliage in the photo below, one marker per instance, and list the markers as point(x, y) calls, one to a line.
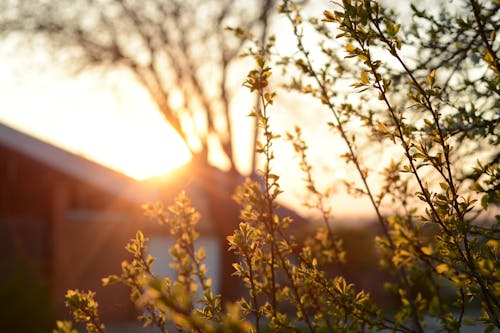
point(189, 72)
point(443, 258)
point(84, 309)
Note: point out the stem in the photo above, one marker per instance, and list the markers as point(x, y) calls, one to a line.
point(343, 133)
point(254, 293)
point(477, 15)
point(320, 197)
point(467, 258)
point(270, 185)
point(263, 120)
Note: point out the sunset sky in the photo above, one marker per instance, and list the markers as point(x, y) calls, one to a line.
point(117, 125)
point(111, 120)
point(113, 124)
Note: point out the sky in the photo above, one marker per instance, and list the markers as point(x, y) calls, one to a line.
point(118, 126)
point(111, 120)
point(91, 115)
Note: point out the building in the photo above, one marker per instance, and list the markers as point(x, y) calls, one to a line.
point(66, 219)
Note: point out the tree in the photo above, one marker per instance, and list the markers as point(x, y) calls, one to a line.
point(439, 240)
point(177, 50)
point(444, 258)
point(170, 47)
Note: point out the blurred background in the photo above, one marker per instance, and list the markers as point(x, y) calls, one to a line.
point(108, 104)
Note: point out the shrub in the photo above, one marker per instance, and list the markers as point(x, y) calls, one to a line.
point(444, 259)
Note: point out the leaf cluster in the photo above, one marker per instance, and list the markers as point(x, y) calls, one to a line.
point(443, 258)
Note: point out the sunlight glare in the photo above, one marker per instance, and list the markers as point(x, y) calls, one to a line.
point(141, 144)
point(122, 131)
point(152, 150)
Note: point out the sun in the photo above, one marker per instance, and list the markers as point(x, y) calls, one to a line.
point(143, 148)
point(151, 154)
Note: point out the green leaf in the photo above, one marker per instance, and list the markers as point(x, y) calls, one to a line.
point(350, 48)
point(431, 78)
point(427, 250)
point(488, 57)
point(364, 77)
point(484, 201)
point(110, 280)
point(442, 268)
point(328, 16)
point(444, 186)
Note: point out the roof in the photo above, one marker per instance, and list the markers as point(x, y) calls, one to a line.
point(196, 177)
point(71, 164)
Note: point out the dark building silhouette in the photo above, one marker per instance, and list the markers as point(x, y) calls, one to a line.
point(66, 219)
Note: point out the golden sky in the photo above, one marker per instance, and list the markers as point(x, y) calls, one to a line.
point(93, 118)
point(111, 120)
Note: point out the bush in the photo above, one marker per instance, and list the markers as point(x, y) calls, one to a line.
point(437, 240)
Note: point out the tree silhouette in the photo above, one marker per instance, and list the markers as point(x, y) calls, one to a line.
point(179, 48)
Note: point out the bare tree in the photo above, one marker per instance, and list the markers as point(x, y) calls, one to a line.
point(172, 47)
